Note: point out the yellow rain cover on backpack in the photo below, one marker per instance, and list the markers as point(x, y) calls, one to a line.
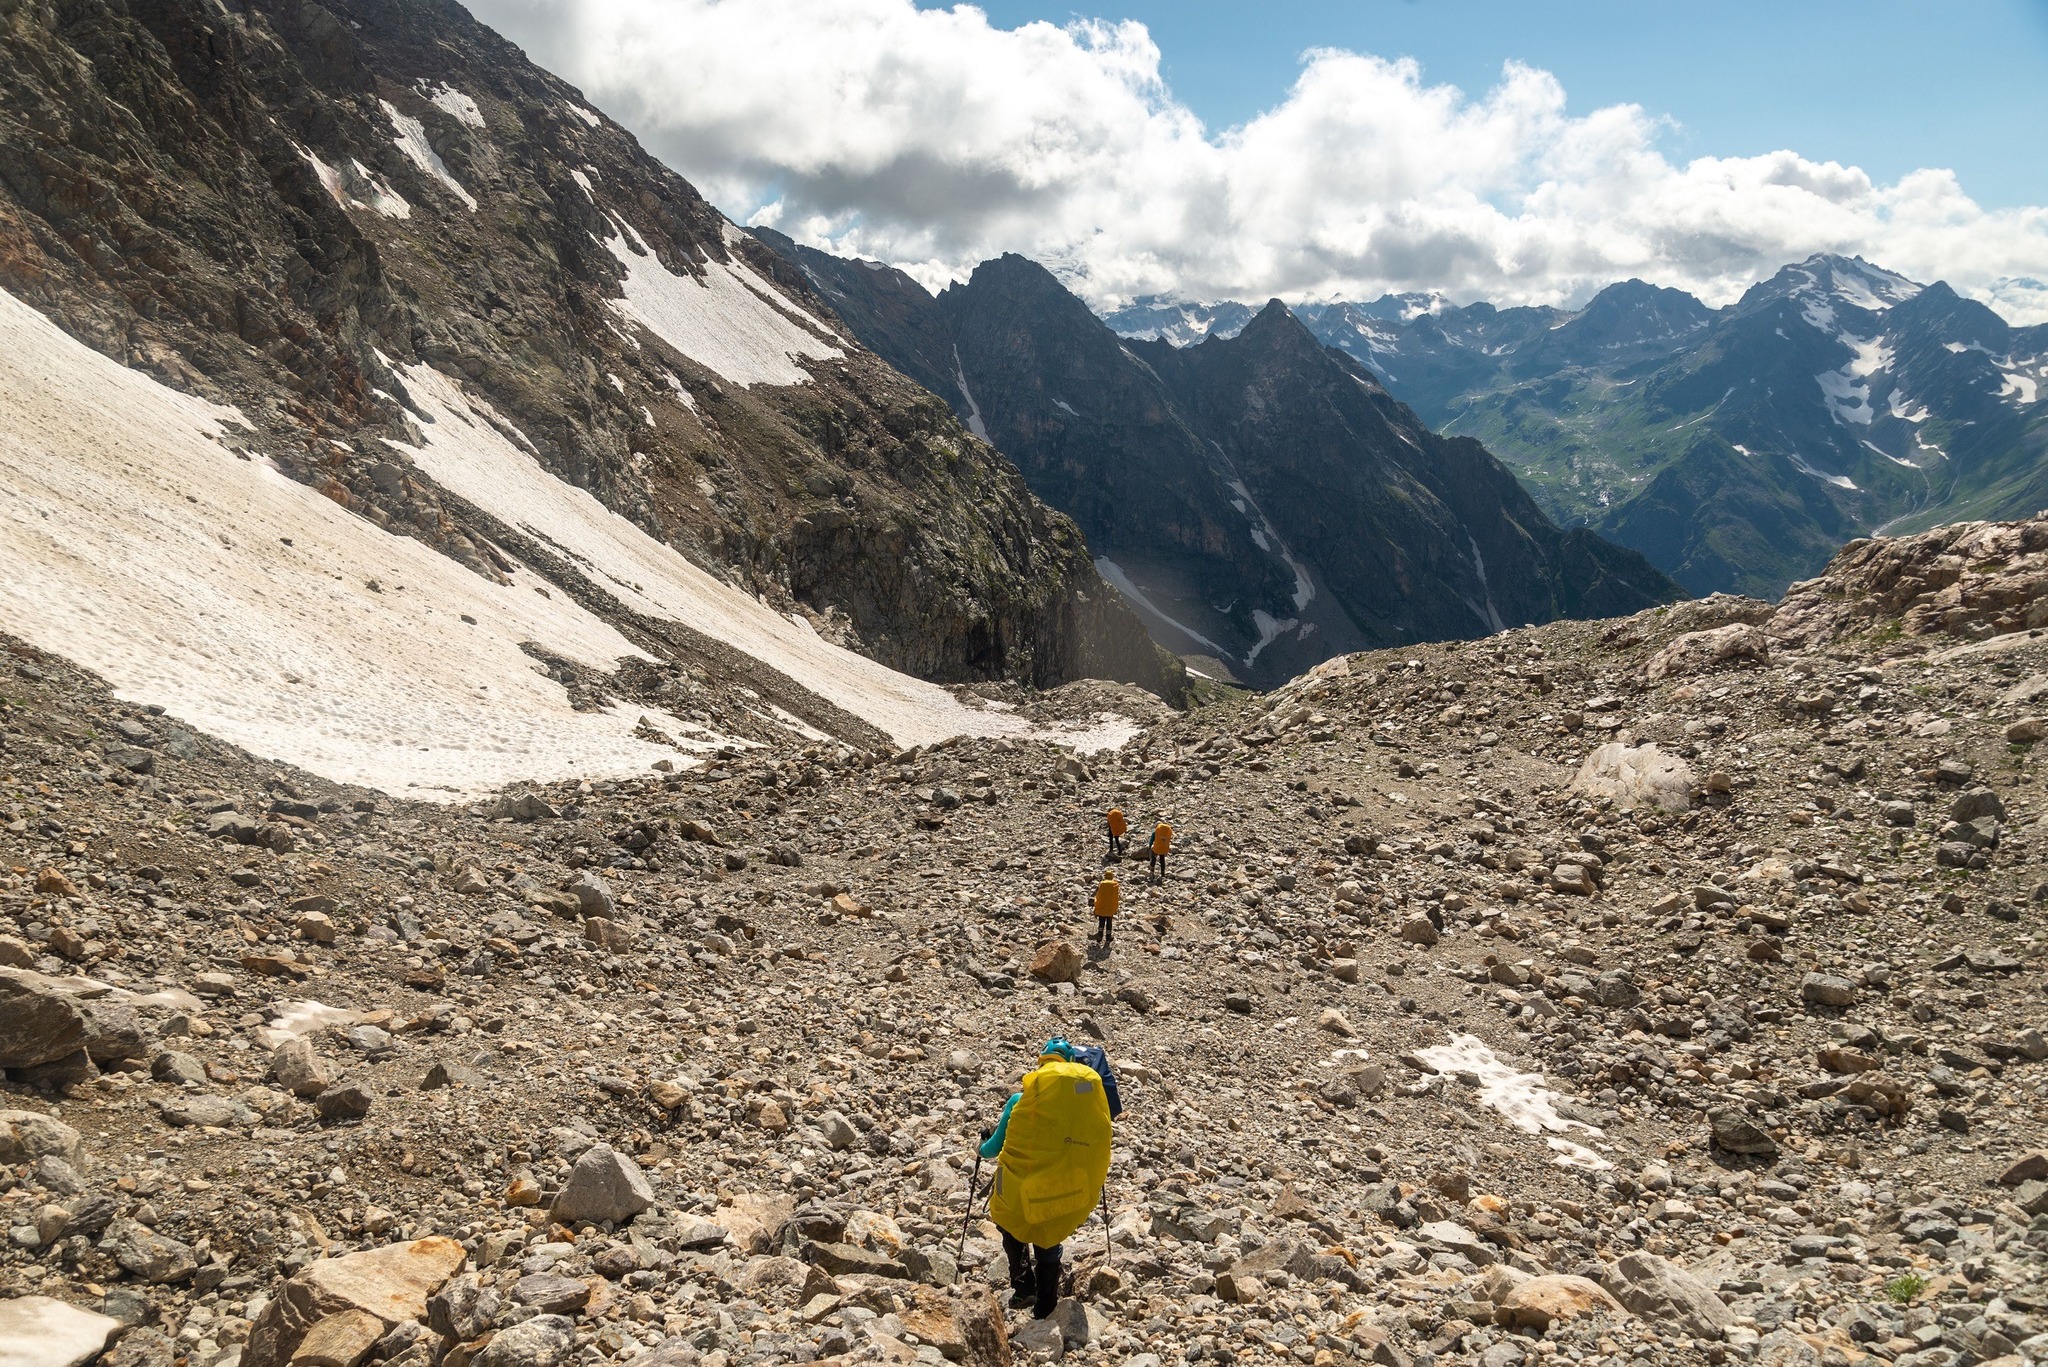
point(1055, 1154)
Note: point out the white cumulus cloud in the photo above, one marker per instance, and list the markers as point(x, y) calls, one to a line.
point(933, 140)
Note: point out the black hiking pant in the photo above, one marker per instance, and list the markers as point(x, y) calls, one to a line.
point(1116, 846)
point(1157, 868)
point(1034, 1274)
point(1104, 926)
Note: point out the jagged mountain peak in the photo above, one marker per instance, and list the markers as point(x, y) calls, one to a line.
point(1834, 279)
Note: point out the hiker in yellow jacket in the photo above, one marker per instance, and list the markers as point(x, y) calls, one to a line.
point(1108, 894)
point(1052, 1152)
point(1117, 824)
point(1162, 844)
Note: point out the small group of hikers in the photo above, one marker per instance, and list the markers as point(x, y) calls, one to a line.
point(1051, 1146)
point(1051, 1143)
point(1109, 892)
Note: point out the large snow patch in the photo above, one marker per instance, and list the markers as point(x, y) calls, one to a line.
point(1522, 1099)
point(138, 545)
point(467, 451)
point(730, 320)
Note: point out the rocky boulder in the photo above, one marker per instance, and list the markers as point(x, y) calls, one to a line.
point(1697, 652)
point(1635, 776)
point(1057, 962)
point(391, 1284)
point(605, 1187)
point(38, 1331)
point(26, 1136)
point(1659, 1290)
point(38, 1024)
point(1540, 1302)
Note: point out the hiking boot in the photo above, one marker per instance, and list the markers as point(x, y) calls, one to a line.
point(1022, 1296)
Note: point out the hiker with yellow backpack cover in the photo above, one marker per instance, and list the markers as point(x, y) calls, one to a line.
point(1052, 1150)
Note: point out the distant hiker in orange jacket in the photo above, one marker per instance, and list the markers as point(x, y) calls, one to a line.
point(1117, 826)
point(1162, 845)
point(1108, 894)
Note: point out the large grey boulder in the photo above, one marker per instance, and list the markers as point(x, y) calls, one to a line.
point(38, 1024)
point(593, 895)
point(603, 1187)
point(26, 1136)
point(1656, 1289)
point(1697, 652)
point(144, 1253)
point(543, 1341)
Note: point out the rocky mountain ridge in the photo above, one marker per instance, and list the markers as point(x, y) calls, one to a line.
point(1262, 501)
point(1735, 447)
point(342, 220)
point(1663, 989)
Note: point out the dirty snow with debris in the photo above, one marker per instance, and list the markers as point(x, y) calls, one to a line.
point(139, 546)
point(1524, 1100)
point(729, 320)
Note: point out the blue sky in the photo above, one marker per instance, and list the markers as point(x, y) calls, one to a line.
point(1881, 84)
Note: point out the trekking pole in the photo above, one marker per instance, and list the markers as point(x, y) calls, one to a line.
point(1108, 1253)
point(968, 1218)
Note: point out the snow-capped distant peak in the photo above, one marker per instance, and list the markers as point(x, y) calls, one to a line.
point(1853, 281)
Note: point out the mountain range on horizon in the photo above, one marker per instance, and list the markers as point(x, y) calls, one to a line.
point(1262, 501)
point(1736, 447)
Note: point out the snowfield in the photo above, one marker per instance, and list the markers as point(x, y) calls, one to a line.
point(732, 322)
point(141, 547)
point(468, 451)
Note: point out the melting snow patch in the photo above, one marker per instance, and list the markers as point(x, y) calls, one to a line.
point(1839, 481)
point(1060, 404)
point(1522, 1099)
point(2018, 386)
point(467, 452)
point(1904, 409)
point(974, 422)
point(584, 114)
point(357, 187)
point(1847, 391)
point(412, 140)
point(1259, 540)
point(1271, 629)
point(730, 321)
point(453, 103)
point(293, 1019)
point(237, 599)
point(583, 181)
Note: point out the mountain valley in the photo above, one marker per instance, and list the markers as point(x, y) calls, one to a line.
point(1261, 501)
point(1735, 447)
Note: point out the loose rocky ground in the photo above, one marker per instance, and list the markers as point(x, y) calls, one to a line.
point(1467, 1026)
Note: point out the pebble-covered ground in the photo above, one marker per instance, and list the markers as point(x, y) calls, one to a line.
point(1464, 1026)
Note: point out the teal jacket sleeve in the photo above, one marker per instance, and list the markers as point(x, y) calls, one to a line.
point(993, 1145)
